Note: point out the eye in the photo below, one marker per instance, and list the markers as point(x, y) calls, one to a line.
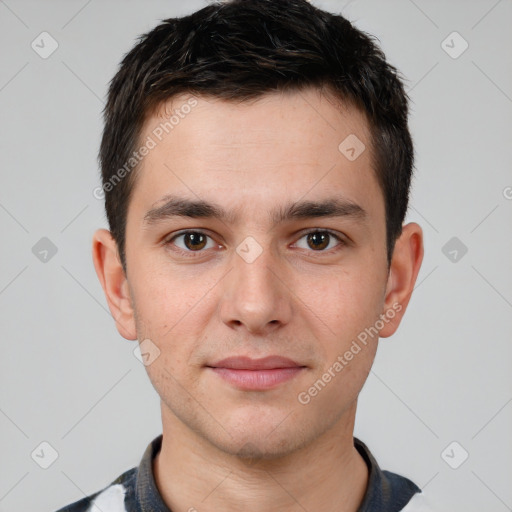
point(319, 240)
point(193, 241)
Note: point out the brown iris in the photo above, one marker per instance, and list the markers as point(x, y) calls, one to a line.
point(194, 241)
point(319, 237)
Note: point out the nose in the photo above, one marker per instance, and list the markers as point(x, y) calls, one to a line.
point(256, 293)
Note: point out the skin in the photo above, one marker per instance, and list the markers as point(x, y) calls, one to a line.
point(225, 448)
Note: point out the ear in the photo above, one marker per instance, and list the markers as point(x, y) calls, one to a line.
point(404, 269)
point(114, 282)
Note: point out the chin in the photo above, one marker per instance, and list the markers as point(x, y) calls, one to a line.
point(261, 449)
point(263, 441)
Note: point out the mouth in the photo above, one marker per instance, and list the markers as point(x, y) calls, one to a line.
point(250, 374)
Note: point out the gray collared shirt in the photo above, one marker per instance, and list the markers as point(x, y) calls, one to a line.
point(136, 491)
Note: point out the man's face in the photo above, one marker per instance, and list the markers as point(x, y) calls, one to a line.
point(252, 284)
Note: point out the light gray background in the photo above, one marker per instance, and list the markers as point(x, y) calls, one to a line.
point(68, 377)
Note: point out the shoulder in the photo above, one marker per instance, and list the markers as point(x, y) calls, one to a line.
point(111, 498)
point(396, 491)
point(419, 503)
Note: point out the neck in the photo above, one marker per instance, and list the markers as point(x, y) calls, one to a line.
point(193, 475)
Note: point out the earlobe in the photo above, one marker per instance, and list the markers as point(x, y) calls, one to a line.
point(114, 282)
point(405, 266)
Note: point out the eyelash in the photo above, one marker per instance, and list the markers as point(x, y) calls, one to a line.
point(194, 254)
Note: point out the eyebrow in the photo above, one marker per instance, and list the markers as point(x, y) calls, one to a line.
point(175, 206)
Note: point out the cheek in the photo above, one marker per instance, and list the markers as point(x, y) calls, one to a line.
point(162, 301)
point(172, 311)
point(335, 388)
point(347, 303)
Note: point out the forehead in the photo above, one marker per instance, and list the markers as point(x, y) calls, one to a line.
point(273, 118)
point(281, 146)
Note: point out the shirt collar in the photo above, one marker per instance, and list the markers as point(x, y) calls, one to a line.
point(147, 495)
point(386, 491)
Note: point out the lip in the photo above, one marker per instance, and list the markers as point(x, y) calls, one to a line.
point(247, 363)
point(250, 374)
